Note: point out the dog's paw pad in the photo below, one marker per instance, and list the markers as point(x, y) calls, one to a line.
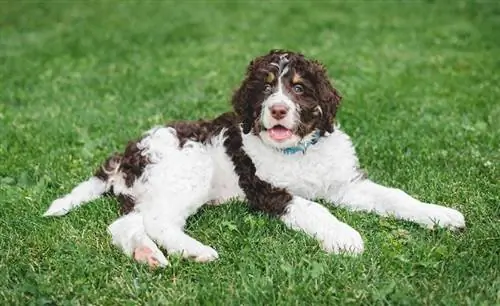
point(154, 258)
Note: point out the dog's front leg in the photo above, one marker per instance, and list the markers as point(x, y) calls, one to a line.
point(296, 212)
point(366, 195)
point(315, 220)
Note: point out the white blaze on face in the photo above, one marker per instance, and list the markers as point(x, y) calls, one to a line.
point(280, 131)
point(279, 97)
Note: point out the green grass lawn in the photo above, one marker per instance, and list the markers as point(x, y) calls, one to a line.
point(421, 100)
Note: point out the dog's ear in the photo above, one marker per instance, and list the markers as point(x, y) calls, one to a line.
point(243, 99)
point(242, 104)
point(329, 97)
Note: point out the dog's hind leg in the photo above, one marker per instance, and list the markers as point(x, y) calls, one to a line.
point(177, 242)
point(85, 192)
point(179, 185)
point(164, 218)
point(129, 235)
point(88, 190)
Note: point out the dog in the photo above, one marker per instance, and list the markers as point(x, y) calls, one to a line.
point(278, 149)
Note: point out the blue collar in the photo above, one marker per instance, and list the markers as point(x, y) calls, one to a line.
point(303, 144)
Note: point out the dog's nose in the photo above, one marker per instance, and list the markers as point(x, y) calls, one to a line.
point(278, 111)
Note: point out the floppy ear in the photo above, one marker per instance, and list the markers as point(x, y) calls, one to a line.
point(329, 98)
point(242, 106)
point(242, 98)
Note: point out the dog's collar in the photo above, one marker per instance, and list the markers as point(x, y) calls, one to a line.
point(303, 145)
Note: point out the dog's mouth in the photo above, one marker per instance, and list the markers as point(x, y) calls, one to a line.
point(279, 133)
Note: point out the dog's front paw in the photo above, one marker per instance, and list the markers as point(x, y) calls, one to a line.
point(206, 254)
point(436, 215)
point(342, 239)
point(198, 252)
point(59, 207)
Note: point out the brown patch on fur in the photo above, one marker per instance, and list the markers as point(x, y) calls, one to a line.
point(127, 203)
point(202, 130)
point(133, 163)
point(130, 164)
point(296, 79)
point(109, 166)
point(261, 195)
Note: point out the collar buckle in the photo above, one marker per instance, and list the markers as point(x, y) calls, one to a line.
point(302, 146)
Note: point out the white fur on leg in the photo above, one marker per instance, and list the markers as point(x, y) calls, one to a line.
point(175, 241)
point(178, 183)
point(368, 196)
point(315, 220)
point(128, 234)
point(81, 194)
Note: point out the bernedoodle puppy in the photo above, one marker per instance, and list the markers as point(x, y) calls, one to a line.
point(278, 150)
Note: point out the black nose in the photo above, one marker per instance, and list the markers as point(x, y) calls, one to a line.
point(278, 111)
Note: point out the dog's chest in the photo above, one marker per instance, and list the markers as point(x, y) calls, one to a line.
point(323, 169)
point(301, 174)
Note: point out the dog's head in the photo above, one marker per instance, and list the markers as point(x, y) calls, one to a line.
point(285, 98)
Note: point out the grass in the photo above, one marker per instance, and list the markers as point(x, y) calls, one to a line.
point(421, 100)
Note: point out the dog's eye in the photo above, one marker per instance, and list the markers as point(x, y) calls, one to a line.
point(298, 89)
point(268, 89)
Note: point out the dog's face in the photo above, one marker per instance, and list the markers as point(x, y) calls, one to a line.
point(285, 98)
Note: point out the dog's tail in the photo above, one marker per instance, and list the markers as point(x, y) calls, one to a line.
point(89, 190)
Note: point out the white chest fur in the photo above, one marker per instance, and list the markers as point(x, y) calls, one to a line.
point(324, 168)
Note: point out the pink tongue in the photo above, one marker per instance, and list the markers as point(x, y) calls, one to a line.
point(279, 133)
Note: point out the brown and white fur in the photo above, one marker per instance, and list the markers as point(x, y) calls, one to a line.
point(285, 101)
